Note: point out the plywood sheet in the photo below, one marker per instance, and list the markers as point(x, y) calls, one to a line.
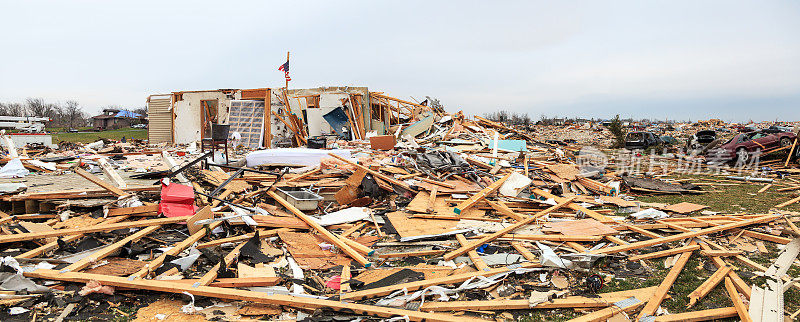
point(410, 227)
point(583, 227)
point(306, 251)
point(684, 207)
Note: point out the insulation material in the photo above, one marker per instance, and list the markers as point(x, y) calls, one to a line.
point(247, 119)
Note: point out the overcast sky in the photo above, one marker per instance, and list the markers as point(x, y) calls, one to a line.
point(735, 60)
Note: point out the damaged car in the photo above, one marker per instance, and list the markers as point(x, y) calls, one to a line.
point(744, 145)
point(641, 140)
point(700, 139)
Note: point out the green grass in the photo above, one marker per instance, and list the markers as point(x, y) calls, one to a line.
point(729, 199)
point(88, 137)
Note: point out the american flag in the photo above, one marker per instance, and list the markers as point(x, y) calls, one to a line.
point(285, 69)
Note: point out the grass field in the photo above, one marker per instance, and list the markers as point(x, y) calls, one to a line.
point(87, 137)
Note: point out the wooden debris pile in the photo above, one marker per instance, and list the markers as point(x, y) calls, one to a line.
point(461, 220)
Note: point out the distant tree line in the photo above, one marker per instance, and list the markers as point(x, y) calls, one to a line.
point(508, 117)
point(67, 114)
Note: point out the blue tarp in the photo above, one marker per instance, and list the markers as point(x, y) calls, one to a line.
point(128, 114)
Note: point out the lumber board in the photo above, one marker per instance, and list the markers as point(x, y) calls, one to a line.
point(663, 253)
point(53, 245)
point(496, 235)
point(464, 205)
point(83, 230)
point(374, 173)
point(327, 234)
point(741, 308)
point(652, 305)
point(701, 291)
point(412, 286)
point(110, 249)
point(243, 295)
point(176, 249)
point(704, 315)
point(100, 182)
point(666, 239)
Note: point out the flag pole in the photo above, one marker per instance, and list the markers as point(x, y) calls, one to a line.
point(287, 80)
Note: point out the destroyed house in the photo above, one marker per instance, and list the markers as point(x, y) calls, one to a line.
point(294, 115)
point(112, 119)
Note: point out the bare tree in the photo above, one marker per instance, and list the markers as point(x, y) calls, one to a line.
point(73, 113)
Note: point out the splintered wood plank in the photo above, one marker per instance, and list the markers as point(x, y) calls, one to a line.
point(481, 194)
point(496, 235)
point(82, 230)
point(243, 295)
point(663, 253)
point(704, 315)
point(741, 309)
point(651, 306)
point(328, 235)
point(657, 241)
point(473, 255)
point(708, 285)
point(100, 182)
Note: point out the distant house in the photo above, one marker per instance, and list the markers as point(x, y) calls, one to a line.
point(115, 119)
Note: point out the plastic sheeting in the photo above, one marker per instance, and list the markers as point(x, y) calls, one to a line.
point(13, 169)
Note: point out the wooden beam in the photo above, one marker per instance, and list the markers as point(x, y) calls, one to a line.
point(466, 204)
point(663, 253)
point(705, 288)
point(243, 295)
point(132, 210)
point(591, 213)
point(325, 233)
point(741, 309)
point(110, 249)
point(524, 251)
point(658, 241)
point(505, 210)
point(603, 300)
point(740, 284)
point(413, 286)
point(498, 234)
point(83, 230)
point(67, 239)
point(473, 255)
point(374, 173)
point(100, 182)
point(111, 174)
point(652, 305)
point(176, 249)
point(704, 315)
point(412, 254)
